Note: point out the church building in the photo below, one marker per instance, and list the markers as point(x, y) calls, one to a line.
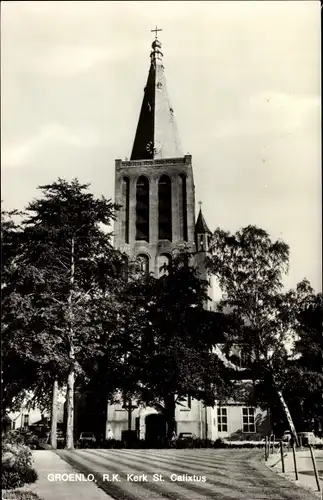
point(155, 189)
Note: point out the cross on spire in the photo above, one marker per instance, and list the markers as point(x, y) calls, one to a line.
point(156, 30)
point(200, 204)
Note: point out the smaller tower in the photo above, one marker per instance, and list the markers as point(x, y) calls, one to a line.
point(202, 233)
point(202, 244)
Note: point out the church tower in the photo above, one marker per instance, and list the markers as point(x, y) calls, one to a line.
point(155, 188)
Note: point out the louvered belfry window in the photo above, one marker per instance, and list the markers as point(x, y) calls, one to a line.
point(165, 208)
point(142, 209)
point(183, 207)
point(126, 204)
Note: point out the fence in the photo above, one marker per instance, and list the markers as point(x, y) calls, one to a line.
point(284, 449)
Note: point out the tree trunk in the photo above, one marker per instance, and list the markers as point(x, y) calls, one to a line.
point(70, 410)
point(205, 424)
point(71, 373)
point(287, 415)
point(129, 414)
point(53, 424)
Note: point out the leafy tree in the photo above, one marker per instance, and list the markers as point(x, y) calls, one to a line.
point(66, 297)
point(170, 338)
point(249, 268)
point(17, 372)
point(309, 361)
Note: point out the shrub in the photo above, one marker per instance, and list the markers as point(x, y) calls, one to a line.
point(17, 464)
point(219, 443)
point(17, 455)
point(14, 477)
point(25, 437)
point(13, 437)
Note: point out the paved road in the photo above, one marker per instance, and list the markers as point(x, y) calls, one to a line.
point(229, 475)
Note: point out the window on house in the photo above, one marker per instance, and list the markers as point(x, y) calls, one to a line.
point(222, 419)
point(26, 420)
point(189, 401)
point(13, 425)
point(248, 419)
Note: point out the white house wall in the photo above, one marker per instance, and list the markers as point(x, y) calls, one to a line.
point(188, 420)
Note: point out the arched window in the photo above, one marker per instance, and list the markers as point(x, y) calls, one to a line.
point(142, 209)
point(142, 261)
point(165, 208)
point(183, 207)
point(125, 203)
point(164, 260)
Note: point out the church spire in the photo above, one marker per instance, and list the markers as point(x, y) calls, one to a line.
point(156, 135)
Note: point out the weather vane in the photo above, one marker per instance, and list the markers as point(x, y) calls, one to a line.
point(200, 204)
point(156, 30)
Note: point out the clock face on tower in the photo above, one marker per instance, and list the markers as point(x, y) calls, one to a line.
point(150, 147)
point(153, 147)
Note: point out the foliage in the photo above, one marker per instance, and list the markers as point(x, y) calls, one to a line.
point(40, 297)
point(25, 437)
point(250, 267)
point(61, 304)
point(303, 378)
point(169, 339)
point(16, 379)
point(14, 438)
point(12, 477)
point(309, 329)
point(308, 364)
point(16, 465)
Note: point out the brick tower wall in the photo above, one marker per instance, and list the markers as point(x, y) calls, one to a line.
point(153, 170)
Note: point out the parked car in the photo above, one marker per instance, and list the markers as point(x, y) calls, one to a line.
point(185, 439)
point(86, 440)
point(309, 438)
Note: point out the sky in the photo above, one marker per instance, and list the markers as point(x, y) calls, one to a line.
point(244, 82)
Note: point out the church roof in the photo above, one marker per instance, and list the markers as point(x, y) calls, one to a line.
point(156, 136)
point(201, 226)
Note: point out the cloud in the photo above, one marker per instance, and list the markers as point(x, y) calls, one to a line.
point(270, 113)
point(48, 137)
